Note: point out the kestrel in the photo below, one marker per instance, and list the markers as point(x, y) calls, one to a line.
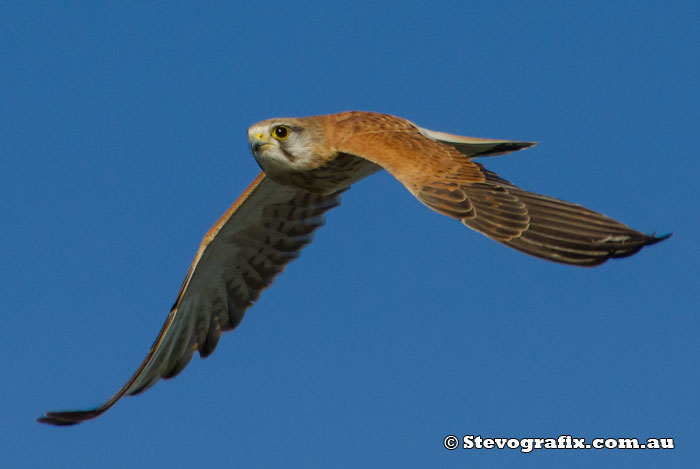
point(306, 164)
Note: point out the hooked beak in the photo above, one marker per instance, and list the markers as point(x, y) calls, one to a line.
point(257, 141)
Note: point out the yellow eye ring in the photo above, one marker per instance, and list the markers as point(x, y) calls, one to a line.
point(280, 132)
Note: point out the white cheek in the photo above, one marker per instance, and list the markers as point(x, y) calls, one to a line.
point(302, 149)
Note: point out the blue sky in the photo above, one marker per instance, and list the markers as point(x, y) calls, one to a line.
point(124, 138)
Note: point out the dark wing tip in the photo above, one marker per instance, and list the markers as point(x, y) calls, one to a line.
point(69, 417)
point(501, 148)
point(644, 241)
point(653, 239)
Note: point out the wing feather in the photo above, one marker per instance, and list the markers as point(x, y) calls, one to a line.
point(542, 226)
point(476, 147)
point(250, 244)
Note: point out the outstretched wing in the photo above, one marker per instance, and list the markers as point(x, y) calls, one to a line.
point(249, 245)
point(535, 224)
point(432, 165)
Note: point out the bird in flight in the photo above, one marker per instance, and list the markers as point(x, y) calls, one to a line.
point(306, 164)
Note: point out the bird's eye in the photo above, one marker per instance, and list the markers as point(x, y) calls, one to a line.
point(280, 132)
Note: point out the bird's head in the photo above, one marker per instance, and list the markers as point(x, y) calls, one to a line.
point(283, 145)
